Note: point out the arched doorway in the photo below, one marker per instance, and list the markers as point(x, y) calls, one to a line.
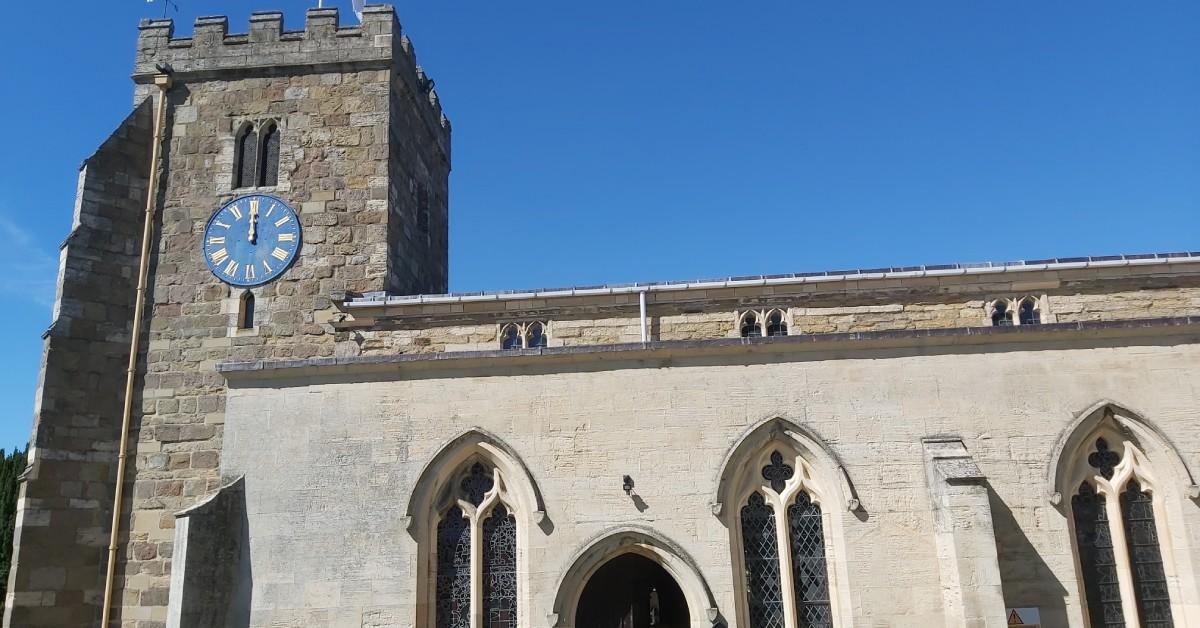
point(631, 591)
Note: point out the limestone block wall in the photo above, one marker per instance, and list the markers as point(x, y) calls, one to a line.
point(330, 459)
point(65, 502)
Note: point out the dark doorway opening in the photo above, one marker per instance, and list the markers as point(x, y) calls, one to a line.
point(631, 591)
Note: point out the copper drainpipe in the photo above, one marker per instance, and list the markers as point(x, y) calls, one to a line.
point(163, 82)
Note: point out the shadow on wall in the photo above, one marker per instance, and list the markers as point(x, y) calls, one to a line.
point(1026, 579)
point(214, 586)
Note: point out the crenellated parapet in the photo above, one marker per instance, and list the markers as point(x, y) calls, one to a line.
point(212, 52)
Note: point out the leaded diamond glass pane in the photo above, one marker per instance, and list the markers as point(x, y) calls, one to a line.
point(477, 484)
point(454, 571)
point(764, 590)
point(810, 577)
point(1096, 560)
point(1149, 579)
point(500, 570)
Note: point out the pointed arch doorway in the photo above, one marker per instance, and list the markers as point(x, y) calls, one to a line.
point(631, 591)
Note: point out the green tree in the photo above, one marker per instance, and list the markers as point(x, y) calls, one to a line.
point(11, 467)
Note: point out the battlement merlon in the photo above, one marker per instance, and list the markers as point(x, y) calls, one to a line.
point(324, 45)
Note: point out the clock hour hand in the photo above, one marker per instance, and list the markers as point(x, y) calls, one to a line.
point(253, 223)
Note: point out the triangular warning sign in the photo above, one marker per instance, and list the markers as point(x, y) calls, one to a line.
point(1014, 619)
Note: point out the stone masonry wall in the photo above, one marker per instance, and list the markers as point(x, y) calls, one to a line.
point(327, 497)
point(65, 503)
point(330, 90)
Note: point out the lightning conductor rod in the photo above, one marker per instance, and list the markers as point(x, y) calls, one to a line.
point(163, 81)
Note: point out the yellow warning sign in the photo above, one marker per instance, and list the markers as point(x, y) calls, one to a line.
point(1030, 617)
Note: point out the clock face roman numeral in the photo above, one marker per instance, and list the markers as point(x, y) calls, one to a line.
point(251, 240)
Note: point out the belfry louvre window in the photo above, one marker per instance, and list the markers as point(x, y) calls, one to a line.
point(256, 155)
point(788, 588)
point(1116, 537)
point(476, 582)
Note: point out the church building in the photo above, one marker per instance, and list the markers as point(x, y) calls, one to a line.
point(259, 406)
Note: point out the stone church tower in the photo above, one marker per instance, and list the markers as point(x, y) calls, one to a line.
point(363, 155)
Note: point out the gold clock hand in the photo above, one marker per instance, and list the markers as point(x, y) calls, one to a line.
point(253, 222)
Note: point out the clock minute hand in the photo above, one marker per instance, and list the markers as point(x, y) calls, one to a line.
point(253, 224)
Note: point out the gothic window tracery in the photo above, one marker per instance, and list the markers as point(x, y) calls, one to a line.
point(789, 588)
point(749, 327)
point(530, 335)
point(476, 553)
point(776, 324)
point(1029, 313)
point(1001, 314)
point(1116, 538)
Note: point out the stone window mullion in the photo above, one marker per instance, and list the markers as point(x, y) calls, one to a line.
point(1112, 507)
point(476, 578)
point(786, 575)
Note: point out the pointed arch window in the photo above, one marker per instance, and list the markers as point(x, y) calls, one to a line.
point(748, 327)
point(1001, 314)
point(476, 553)
point(535, 335)
point(531, 335)
point(777, 323)
point(1029, 312)
point(1116, 537)
point(268, 164)
point(789, 588)
point(246, 311)
point(256, 155)
point(246, 156)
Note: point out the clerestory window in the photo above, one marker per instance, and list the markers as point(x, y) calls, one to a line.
point(530, 335)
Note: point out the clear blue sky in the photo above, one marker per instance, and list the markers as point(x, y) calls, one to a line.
point(623, 141)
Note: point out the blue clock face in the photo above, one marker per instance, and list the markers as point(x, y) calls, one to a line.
point(251, 240)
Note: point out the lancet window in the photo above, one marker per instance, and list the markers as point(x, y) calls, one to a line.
point(256, 155)
point(476, 553)
point(783, 541)
point(1115, 512)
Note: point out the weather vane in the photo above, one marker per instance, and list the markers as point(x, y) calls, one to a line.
point(166, 4)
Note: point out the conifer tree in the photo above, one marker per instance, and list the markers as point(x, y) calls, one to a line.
point(11, 467)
